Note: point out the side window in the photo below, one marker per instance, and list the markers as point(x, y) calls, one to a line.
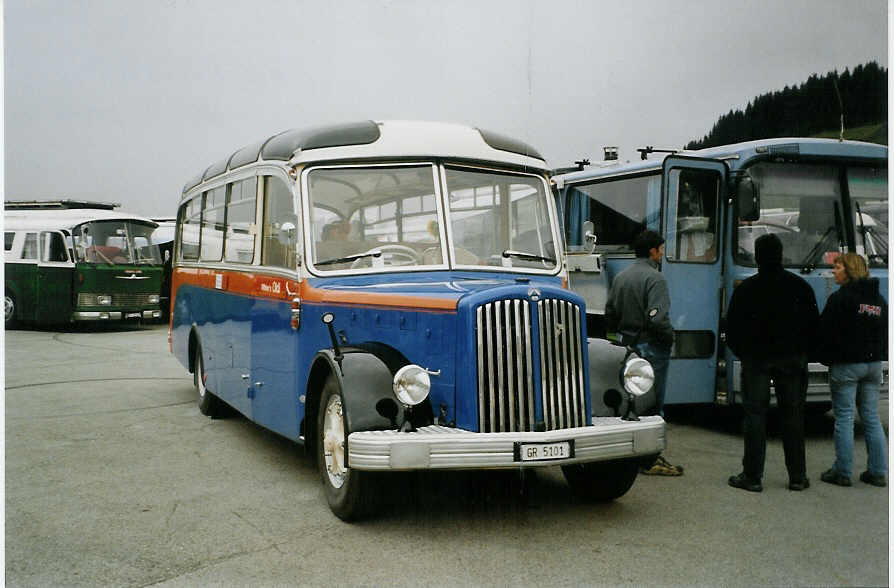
point(52, 247)
point(278, 247)
point(8, 238)
point(619, 210)
point(213, 219)
point(242, 232)
point(692, 216)
point(29, 251)
point(190, 224)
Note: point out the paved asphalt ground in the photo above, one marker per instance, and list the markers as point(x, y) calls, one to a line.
point(113, 478)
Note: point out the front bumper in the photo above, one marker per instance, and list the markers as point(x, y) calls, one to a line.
point(115, 315)
point(439, 447)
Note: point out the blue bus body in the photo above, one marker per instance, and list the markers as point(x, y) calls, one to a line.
point(391, 296)
point(819, 196)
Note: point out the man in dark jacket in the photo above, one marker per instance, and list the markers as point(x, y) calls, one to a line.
point(771, 324)
point(638, 311)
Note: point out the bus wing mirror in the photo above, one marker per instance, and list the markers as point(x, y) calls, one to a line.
point(589, 236)
point(748, 199)
point(288, 230)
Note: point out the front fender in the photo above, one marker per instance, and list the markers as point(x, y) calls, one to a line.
point(364, 380)
point(606, 361)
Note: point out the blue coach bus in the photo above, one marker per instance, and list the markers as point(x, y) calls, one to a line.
point(819, 196)
point(390, 295)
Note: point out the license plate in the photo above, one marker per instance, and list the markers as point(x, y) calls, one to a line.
point(543, 451)
point(132, 315)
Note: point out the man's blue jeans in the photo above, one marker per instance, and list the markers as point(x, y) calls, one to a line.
point(659, 356)
point(858, 384)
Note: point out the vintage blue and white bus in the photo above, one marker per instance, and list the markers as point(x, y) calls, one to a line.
point(70, 261)
point(391, 296)
point(819, 196)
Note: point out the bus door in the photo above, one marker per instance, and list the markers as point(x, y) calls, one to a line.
point(693, 193)
point(55, 272)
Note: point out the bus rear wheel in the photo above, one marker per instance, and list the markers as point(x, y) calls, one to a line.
point(209, 404)
point(349, 493)
point(9, 308)
point(601, 481)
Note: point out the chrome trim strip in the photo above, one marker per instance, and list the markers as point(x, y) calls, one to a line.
point(480, 336)
point(439, 447)
point(529, 363)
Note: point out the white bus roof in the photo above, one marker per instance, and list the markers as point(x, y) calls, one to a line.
point(377, 140)
point(65, 218)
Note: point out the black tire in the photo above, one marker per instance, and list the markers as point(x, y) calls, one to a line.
point(601, 481)
point(350, 493)
point(9, 307)
point(209, 404)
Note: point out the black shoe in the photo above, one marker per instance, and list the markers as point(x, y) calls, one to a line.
point(831, 476)
point(868, 478)
point(745, 483)
point(802, 484)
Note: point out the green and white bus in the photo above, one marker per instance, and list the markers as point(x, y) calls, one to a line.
point(71, 261)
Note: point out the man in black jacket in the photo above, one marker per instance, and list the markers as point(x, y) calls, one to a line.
point(771, 324)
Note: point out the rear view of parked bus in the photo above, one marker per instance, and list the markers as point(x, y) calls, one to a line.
point(821, 197)
point(73, 261)
point(390, 294)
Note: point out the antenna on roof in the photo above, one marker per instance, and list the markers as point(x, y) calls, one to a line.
point(840, 108)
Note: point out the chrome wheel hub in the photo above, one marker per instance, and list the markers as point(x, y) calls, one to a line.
point(8, 307)
point(334, 442)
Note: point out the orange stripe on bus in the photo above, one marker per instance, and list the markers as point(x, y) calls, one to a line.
point(279, 288)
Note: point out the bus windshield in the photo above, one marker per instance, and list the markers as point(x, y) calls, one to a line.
point(378, 217)
point(116, 242)
point(803, 206)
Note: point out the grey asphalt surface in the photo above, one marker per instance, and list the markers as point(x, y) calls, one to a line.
point(113, 478)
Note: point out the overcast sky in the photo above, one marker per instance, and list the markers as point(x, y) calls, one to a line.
point(125, 100)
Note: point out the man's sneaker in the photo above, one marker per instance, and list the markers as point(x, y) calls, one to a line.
point(745, 483)
point(831, 476)
point(661, 467)
point(868, 478)
point(798, 485)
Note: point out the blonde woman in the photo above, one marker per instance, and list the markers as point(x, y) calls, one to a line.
point(854, 327)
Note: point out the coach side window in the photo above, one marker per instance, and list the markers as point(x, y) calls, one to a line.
point(53, 247)
point(8, 238)
point(279, 216)
point(213, 219)
point(191, 220)
point(29, 251)
point(241, 228)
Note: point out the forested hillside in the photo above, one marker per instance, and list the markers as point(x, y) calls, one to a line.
point(811, 109)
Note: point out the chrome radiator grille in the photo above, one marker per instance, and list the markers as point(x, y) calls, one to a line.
point(87, 299)
point(506, 386)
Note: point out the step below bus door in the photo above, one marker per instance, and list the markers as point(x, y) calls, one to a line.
point(694, 193)
point(55, 273)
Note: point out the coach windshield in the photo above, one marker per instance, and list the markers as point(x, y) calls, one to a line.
point(116, 242)
point(391, 217)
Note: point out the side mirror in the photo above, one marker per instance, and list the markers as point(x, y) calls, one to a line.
point(589, 235)
point(288, 230)
point(748, 199)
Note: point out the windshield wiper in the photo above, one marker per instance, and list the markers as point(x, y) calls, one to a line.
point(347, 258)
point(527, 256)
point(808, 265)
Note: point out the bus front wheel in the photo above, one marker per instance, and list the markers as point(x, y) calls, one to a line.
point(9, 308)
point(601, 481)
point(209, 404)
point(350, 493)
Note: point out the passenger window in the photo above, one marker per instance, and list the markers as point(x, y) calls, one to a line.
point(279, 242)
point(52, 247)
point(29, 251)
point(8, 238)
point(213, 219)
point(619, 211)
point(191, 219)
point(241, 228)
point(692, 216)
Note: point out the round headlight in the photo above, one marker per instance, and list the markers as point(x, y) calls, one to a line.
point(638, 376)
point(411, 384)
